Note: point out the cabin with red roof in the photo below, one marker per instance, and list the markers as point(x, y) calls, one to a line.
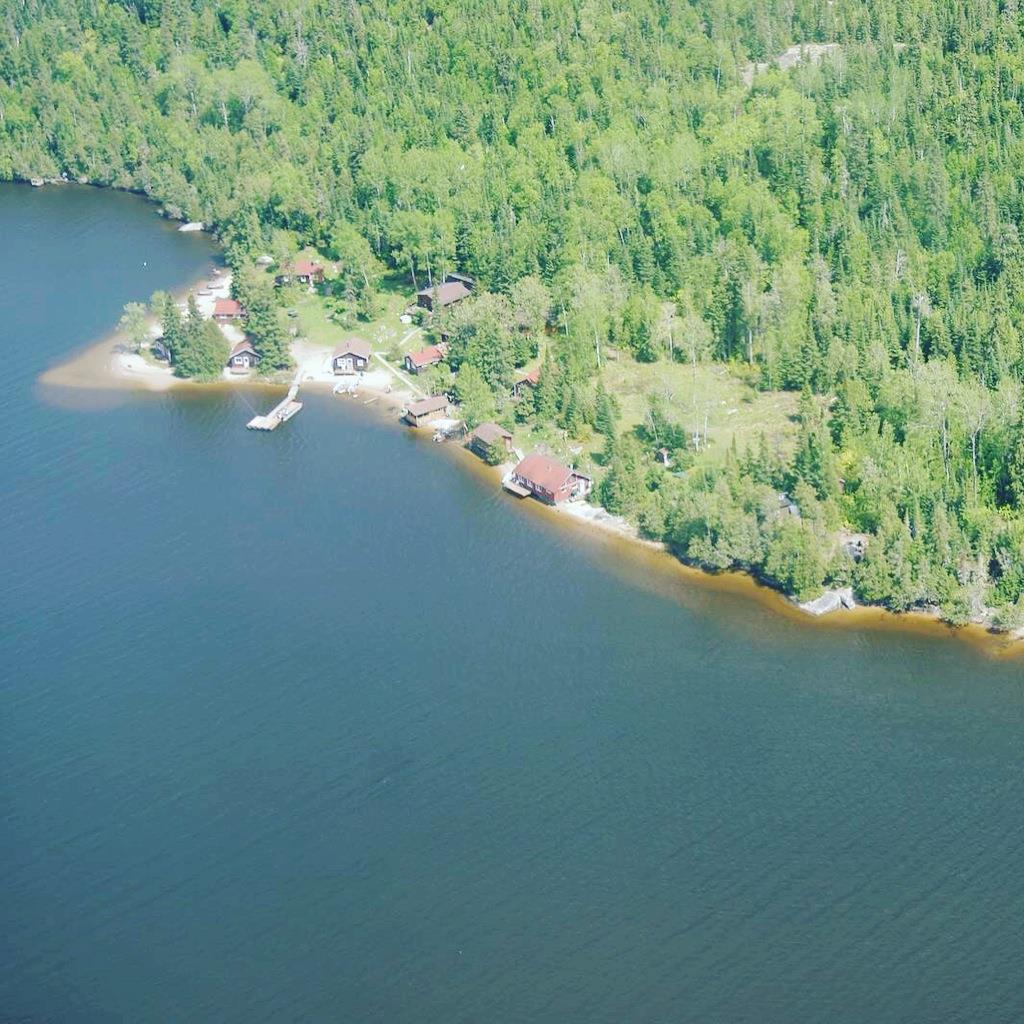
point(302, 272)
point(243, 357)
point(417, 362)
point(547, 480)
point(227, 310)
point(351, 356)
point(527, 380)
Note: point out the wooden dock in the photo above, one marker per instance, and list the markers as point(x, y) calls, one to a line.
point(281, 413)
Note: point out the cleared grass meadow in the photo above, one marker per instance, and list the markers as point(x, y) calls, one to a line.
point(711, 397)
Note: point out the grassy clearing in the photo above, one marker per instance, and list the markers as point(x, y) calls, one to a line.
point(326, 321)
point(734, 411)
point(711, 394)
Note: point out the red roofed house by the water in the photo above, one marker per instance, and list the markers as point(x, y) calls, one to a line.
point(226, 310)
point(548, 480)
point(351, 356)
point(243, 357)
point(416, 362)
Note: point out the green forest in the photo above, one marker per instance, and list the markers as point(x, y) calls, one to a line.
point(626, 185)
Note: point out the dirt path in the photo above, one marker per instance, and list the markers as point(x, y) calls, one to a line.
point(402, 378)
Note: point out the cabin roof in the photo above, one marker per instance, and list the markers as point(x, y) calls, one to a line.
point(490, 433)
point(447, 293)
point(227, 307)
point(306, 267)
point(426, 356)
point(242, 346)
point(426, 405)
point(545, 472)
point(531, 377)
point(353, 346)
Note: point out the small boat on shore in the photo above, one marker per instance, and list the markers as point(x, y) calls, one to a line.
point(36, 182)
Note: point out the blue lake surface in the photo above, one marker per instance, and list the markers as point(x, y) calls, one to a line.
point(312, 726)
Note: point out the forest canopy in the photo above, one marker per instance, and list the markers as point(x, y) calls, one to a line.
point(847, 228)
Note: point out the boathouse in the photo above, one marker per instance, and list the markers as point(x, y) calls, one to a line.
point(417, 362)
point(486, 436)
point(243, 357)
point(441, 296)
point(227, 310)
point(426, 409)
point(351, 356)
point(547, 480)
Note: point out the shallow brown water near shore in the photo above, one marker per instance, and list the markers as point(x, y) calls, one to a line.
point(650, 566)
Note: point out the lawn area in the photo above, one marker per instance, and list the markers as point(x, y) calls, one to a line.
point(731, 408)
point(734, 411)
point(326, 320)
point(319, 322)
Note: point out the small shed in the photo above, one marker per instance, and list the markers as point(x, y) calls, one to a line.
point(548, 480)
point(788, 507)
point(485, 436)
point(426, 409)
point(854, 546)
point(227, 310)
point(456, 278)
point(351, 356)
point(243, 357)
point(417, 362)
point(441, 296)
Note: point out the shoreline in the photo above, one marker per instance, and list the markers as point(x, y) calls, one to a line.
point(670, 574)
point(104, 366)
point(101, 367)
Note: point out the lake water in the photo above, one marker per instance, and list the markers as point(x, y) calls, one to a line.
point(313, 726)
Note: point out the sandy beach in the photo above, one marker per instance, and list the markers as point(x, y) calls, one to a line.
point(108, 363)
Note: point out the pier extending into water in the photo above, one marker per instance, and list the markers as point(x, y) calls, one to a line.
point(281, 413)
